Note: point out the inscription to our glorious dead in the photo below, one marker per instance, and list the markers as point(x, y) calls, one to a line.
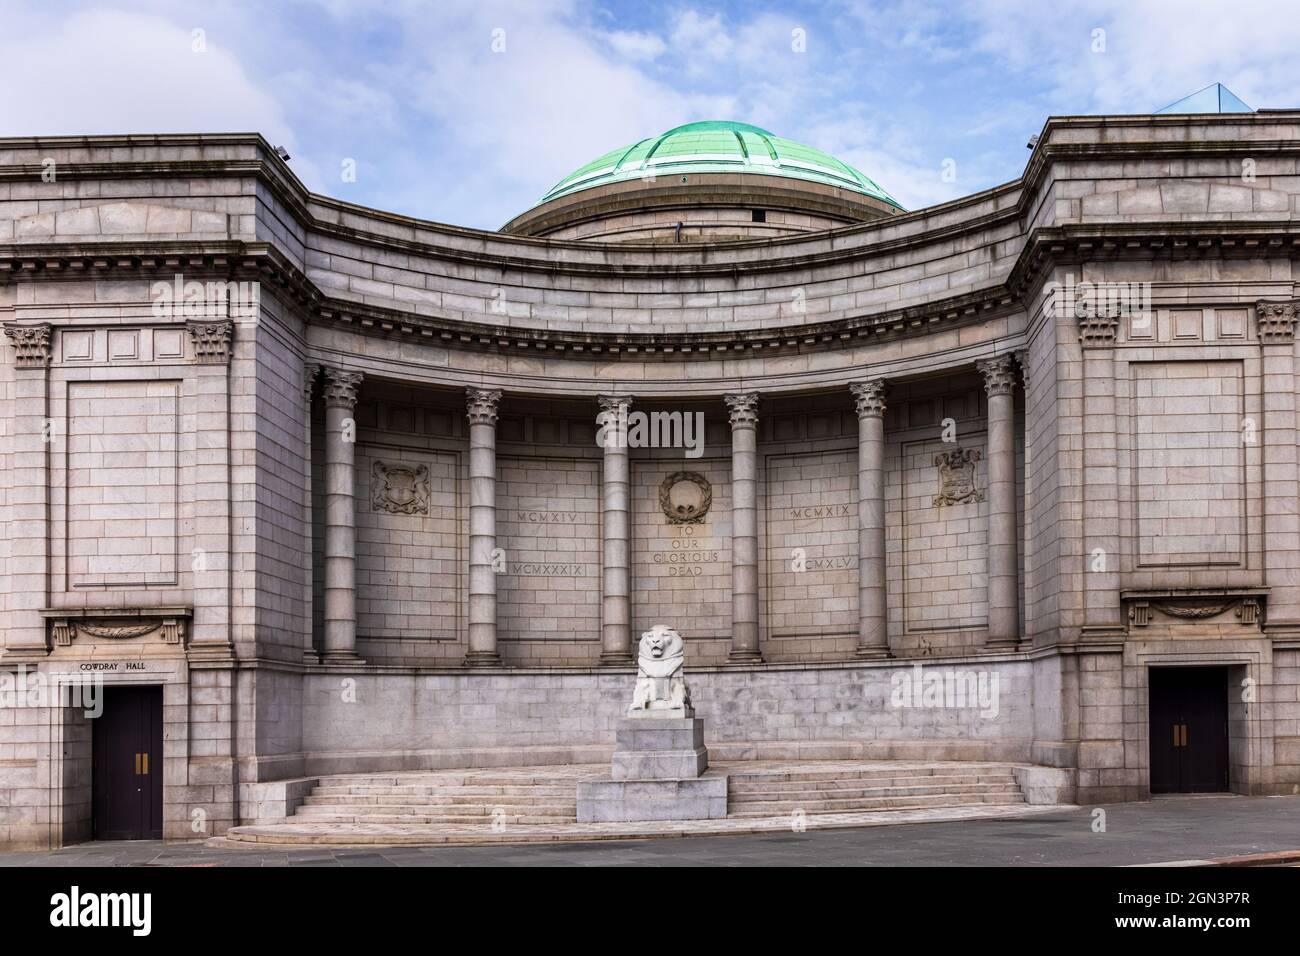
point(686, 551)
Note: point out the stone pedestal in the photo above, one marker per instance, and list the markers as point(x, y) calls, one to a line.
point(658, 773)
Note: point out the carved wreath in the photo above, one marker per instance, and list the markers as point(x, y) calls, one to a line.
point(957, 477)
point(685, 512)
point(400, 489)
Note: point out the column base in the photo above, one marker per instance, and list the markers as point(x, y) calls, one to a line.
point(871, 653)
point(1002, 644)
point(744, 657)
point(223, 652)
point(616, 659)
point(341, 657)
point(482, 659)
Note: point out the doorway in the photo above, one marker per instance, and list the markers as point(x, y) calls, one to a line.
point(126, 765)
point(1189, 729)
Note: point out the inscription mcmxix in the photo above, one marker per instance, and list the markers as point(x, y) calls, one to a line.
point(822, 511)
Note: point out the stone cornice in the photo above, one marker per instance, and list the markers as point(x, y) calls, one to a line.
point(266, 264)
point(257, 159)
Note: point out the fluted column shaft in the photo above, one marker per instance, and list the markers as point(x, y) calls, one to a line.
point(615, 603)
point(1003, 598)
point(481, 407)
point(340, 612)
point(873, 625)
point(744, 527)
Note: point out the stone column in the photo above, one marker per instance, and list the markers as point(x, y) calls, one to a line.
point(212, 635)
point(1276, 328)
point(481, 407)
point(744, 528)
point(340, 516)
point(1098, 482)
point(310, 373)
point(615, 602)
point(29, 497)
point(873, 624)
point(1004, 607)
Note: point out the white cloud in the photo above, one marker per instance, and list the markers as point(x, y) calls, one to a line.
point(632, 45)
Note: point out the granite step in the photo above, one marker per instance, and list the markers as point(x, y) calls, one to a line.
point(788, 792)
point(744, 784)
point(434, 820)
point(440, 799)
point(860, 804)
point(366, 791)
point(857, 773)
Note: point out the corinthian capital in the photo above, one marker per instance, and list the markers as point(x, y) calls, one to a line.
point(1276, 322)
point(341, 387)
point(211, 340)
point(999, 375)
point(870, 397)
point(31, 344)
point(744, 409)
point(612, 408)
point(481, 405)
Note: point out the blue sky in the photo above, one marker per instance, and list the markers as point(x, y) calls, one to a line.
point(443, 126)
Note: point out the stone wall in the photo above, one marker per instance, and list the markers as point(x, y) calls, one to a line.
point(419, 721)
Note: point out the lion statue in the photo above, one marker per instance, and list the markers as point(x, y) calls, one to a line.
point(660, 684)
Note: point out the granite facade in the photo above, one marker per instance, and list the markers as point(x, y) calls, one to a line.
point(175, 493)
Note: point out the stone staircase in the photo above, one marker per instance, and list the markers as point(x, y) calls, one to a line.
point(539, 804)
point(769, 790)
point(510, 797)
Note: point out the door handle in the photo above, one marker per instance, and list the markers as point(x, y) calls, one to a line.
point(142, 765)
point(1180, 735)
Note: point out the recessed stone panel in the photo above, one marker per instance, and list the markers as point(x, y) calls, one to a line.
point(811, 535)
point(122, 484)
point(1188, 463)
point(938, 534)
point(681, 572)
point(548, 525)
point(410, 568)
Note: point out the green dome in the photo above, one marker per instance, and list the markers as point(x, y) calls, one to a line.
point(717, 146)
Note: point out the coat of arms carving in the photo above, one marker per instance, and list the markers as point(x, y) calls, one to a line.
point(400, 489)
point(957, 477)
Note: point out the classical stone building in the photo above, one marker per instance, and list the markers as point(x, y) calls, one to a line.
point(316, 489)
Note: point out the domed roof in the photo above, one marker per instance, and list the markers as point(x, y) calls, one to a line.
point(717, 146)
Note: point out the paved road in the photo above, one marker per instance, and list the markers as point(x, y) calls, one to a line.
point(1162, 830)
